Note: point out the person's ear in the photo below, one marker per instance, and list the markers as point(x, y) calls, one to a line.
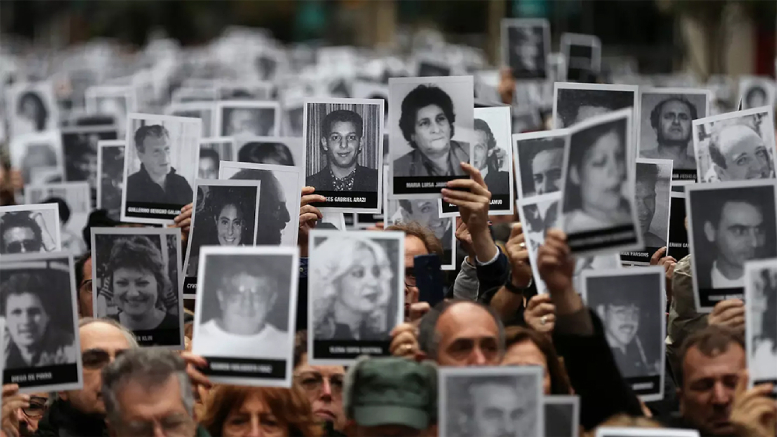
point(323, 144)
point(361, 145)
point(709, 232)
point(574, 176)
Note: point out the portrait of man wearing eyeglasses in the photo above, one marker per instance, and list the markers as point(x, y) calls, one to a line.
point(246, 289)
point(24, 232)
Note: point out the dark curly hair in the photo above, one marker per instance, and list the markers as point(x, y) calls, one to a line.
point(139, 253)
point(263, 152)
point(26, 283)
point(143, 132)
point(43, 115)
point(421, 97)
point(19, 219)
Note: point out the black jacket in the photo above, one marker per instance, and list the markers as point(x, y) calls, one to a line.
point(364, 179)
point(62, 420)
point(177, 191)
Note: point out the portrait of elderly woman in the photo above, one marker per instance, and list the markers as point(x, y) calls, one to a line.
point(39, 327)
point(138, 288)
point(427, 122)
point(356, 297)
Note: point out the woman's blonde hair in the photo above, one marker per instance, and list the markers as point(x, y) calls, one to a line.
point(625, 421)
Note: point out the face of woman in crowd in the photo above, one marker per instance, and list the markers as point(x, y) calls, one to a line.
point(432, 131)
point(526, 353)
point(135, 291)
point(253, 418)
point(229, 226)
point(362, 286)
point(601, 174)
point(26, 318)
point(245, 303)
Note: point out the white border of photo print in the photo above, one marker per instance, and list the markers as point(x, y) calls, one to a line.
point(572, 401)
point(93, 93)
point(534, 238)
point(199, 210)
point(78, 198)
point(262, 106)
point(593, 235)
point(263, 359)
point(289, 180)
point(541, 72)
point(54, 377)
point(594, 63)
point(661, 200)
point(536, 143)
point(49, 144)
point(606, 431)
point(499, 121)
point(44, 91)
point(101, 179)
point(701, 202)
point(748, 84)
point(643, 285)
point(208, 123)
point(184, 145)
point(368, 157)
point(598, 97)
point(392, 216)
point(740, 125)
point(328, 264)
point(405, 160)
point(454, 396)
point(46, 215)
point(761, 306)
point(169, 338)
point(649, 120)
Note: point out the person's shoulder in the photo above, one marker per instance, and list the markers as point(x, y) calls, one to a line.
point(403, 165)
point(460, 150)
point(366, 178)
point(317, 178)
point(178, 179)
point(170, 321)
point(650, 154)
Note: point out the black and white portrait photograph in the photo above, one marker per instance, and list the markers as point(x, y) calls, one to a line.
point(31, 108)
point(735, 146)
point(160, 167)
point(245, 314)
point(678, 227)
point(73, 200)
point(652, 187)
point(597, 208)
point(356, 295)
point(539, 158)
point(212, 152)
point(361, 89)
point(756, 92)
point(38, 156)
point(525, 47)
point(490, 401)
point(293, 119)
point(279, 194)
point(195, 94)
point(110, 182)
point(729, 224)
point(430, 128)
point(136, 278)
point(344, 152)
point(246, 90)
point(562, 415)
point(576, 102)
point(30, 228)
point(42, 349)
point(425, 213)
point(492, 155)
point(583, 54)
point(238, 117)
point(79, 146)
point(225, 214)
point(288, 151)
point(665, 122)
point(116, 101)
point(761, 320)
point(430, 65)
point(205, 111)
point(631, 304)
point(607, 431)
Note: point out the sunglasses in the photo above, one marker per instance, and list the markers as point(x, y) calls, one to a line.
point(36, 409)
point(23, 246)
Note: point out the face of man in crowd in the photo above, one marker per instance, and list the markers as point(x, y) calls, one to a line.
point(245, 303)
point(208, 169)
point(362, 288)
point(740, 233)
point(323, 386)
point(621, 323)
point(601, 173)
point(135, 291)
point(229, 226)
point(432, 131)
point(745, 155)
point(241, 121)
point(26, 318)
point(674, 123)
point(156, 156)
point(526, 353)
point(645, 198)
point(469, 336)
point(100, 344)
point(708, 388)
point(498, 412)
point(29, 417)
point(343, 144)
point(546, 170)
point(144, 408)
point(20, 240)
point(480, 150)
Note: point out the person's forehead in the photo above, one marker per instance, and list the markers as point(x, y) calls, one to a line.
point(467, 320)
point(414, 246)
point(18, 231)
point(675, 106)
point(342, 126)
point(738, 139)
point(152, 141)
point(246, 279)
point(737, 211)
point(547, 158)
point(496, 393)
point(429, 110)
point(323, 370)
point(99, 335)
point(697, 365)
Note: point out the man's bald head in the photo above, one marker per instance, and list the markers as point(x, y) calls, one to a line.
point(739, 154)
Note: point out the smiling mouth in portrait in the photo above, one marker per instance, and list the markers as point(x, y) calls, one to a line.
point(135, 303)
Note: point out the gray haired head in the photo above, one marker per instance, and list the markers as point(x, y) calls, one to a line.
point(129, 335)
point(149, 367)
point(429, 339)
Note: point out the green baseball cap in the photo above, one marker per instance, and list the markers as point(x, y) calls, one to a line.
point(391, 391)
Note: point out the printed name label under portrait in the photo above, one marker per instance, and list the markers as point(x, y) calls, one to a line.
point(639, 256)
point(353, 199)
point(645, 385)
point(247, 368)
point(602, 238)
point(46, 375)
point(683, 175)
point(422, 184)
point(158, 337)
point(349, 349)
point(164, 211)
point(709, 297)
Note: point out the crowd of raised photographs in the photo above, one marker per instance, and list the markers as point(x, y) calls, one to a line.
point(512, 339)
